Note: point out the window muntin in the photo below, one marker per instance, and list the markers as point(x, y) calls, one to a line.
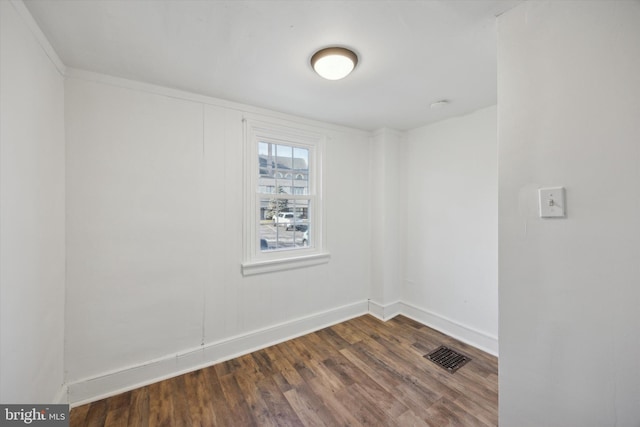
point(283, 219)
point(288, 229)
point(283, 196)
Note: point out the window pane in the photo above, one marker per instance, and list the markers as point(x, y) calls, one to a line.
point(284, 153)
point(284, 223)
point(301, 159)
point(301, 182)
point(283, 169)
point(282, 189)
point(266, 189)
point(264, 163)
point(300, 172)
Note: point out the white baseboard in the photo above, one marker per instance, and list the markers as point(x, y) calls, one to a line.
point(466, 334)
point(116, 382)
point(384, 312)
point(122, 380)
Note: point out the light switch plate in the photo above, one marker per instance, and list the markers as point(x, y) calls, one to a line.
point(552, 202)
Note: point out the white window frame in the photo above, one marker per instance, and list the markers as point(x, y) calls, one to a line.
point(255, 260)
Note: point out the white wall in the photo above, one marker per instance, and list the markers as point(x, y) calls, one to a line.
point(569, 109)
point(388, 226)
point(154, 218)
point(451, 253)
point(155, 208)
point(32, 222)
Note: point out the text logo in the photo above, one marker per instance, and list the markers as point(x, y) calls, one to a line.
point(34, 415)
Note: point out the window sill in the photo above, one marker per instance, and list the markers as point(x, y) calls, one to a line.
point(269, 266)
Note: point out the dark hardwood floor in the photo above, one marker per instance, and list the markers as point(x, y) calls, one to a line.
point(359, 372)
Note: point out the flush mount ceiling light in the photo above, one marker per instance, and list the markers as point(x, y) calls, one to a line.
point(334, 63)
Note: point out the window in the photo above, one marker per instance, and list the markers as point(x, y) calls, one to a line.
point(283, 198)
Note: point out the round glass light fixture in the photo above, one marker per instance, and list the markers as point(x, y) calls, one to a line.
point(334, 63)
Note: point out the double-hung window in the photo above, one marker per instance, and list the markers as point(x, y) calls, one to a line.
point(283, 198)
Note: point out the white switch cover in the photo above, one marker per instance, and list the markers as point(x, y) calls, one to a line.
point(552, 202)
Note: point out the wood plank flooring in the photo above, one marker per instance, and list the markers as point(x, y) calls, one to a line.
point(359, 372)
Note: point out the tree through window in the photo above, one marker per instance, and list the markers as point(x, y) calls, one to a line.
point(283, 198)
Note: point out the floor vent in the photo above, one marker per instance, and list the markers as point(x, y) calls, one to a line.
point(447, 358)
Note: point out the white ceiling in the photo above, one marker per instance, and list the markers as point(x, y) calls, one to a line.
point(411, 53)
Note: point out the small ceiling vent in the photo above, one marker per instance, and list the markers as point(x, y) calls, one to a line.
point(447, 358)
